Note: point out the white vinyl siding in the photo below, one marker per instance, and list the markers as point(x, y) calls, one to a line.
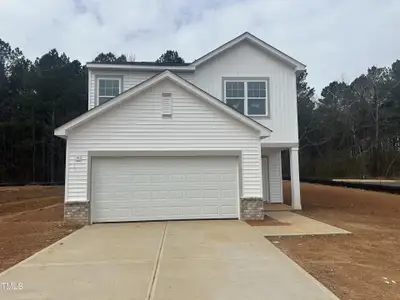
point(246, 61)
point(275, 176)
point(137, 125)
point(129, 79)
point(265, 178)
point(164, 188)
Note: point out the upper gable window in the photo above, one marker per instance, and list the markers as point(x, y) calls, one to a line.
point(108, 88)
point(247, 96)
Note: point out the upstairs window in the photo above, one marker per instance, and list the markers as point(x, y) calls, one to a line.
point(108, 88)
point(249, 97)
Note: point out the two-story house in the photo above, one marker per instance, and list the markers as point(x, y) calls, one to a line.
point(201, 140)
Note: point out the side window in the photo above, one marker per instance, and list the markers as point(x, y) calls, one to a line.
point(249, 97)
point(107, 88)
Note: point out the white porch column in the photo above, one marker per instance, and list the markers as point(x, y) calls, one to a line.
point(295, 178)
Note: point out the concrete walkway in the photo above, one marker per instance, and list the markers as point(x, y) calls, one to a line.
point(297, 225)
point(164, 260)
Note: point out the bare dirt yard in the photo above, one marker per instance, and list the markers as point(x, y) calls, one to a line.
point(364, 265)
point(31, 218)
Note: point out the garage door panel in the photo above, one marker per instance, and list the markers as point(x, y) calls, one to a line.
point(193, 177)
point(228, 194)
point(228, 178)
point(211, 210)
point(116, 214)
point(159, 188)
point(195, 193)
point(160, 194)
point(228, 210)
point(120, 194)
point(146, 204)
point(140, 178)
point(142, 195)
point(163, 202)
point(158, 178)
point(111, 205)
point(168, 211)
point(192, 211)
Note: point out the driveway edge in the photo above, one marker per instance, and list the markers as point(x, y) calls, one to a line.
point(322, 287)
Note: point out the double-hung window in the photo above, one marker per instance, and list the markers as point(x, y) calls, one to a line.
point(107, 89)
point(247, 96)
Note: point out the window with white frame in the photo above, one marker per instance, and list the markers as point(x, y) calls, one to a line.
point(107, 88)
point(247, 96)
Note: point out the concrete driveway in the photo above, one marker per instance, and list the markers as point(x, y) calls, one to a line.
point(165, 260)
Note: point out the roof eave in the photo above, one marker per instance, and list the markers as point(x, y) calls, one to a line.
point(299, 71)
point(92, 66)
point(265, 133)
point(60, 132)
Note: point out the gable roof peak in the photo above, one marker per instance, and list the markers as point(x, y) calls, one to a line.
point(298, 66)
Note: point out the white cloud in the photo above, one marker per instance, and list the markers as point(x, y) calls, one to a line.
point(336, 38)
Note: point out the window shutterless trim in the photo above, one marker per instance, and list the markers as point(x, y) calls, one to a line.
point(246, 97)
point(245, 80)
point(106, 77)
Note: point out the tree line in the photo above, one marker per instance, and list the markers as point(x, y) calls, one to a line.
point(351, 130)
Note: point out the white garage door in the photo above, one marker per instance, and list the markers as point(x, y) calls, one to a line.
point(163, 188)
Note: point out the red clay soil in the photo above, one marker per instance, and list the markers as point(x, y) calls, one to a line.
point(364, 265)
point(31, 218)
point(15, 193)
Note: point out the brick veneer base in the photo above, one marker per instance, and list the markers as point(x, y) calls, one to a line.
point(76, 212)
point(251, 209)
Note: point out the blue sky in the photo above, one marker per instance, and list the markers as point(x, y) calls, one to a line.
point(337, 40)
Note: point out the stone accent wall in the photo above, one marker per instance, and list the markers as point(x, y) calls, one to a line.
point(251, 209)
point(76, 212)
